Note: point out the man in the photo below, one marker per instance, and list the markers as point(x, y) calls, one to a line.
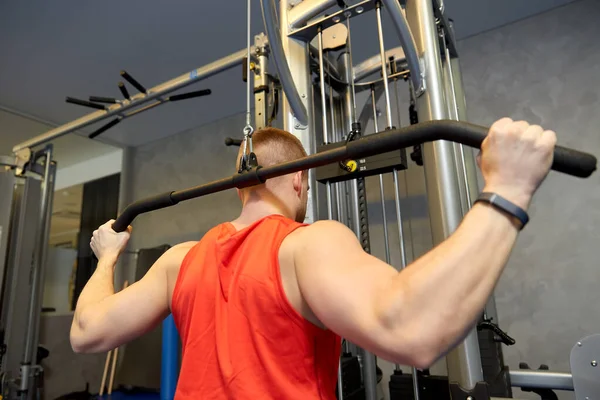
point(261, 302)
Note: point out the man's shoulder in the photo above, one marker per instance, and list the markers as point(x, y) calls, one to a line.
point(176, 254)
point(321, 233)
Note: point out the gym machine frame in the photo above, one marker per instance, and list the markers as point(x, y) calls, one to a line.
point(429, 54)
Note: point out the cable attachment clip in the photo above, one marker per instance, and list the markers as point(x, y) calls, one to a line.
point(248, 160)
point(356, 132)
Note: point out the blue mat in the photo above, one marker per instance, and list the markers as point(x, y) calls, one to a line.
point(128, 396)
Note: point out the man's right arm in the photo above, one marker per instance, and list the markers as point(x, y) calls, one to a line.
point(416, 315)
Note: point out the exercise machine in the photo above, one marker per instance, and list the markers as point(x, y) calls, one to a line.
point(323, 113)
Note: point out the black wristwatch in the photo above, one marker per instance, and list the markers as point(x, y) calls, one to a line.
point(506, 206)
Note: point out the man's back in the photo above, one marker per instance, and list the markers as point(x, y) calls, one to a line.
point(241, 336)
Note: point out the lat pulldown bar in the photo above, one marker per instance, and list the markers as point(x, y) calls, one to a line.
point(566, 160)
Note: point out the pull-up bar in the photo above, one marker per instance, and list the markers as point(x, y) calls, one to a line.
point(566, 160)
point(153, 93)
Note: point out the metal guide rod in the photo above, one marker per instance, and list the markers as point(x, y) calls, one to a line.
point(386, 240)
point(153, 93)
point(442, 182)
point(340, 382)
point(452, 101)
point(350, 67)
point(386, 88)
point(322, 84)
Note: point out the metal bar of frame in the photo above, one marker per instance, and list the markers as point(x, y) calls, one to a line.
point(442, 182)
point(261, 85)
point(307, 9)
point(541, 380)
point(298, 60)
point(405, 34)
point(373, 64)
point(287, 70)
point(310, 30)
point(153, 93)
point(38, 273)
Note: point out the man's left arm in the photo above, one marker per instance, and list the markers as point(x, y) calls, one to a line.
point(103, 319)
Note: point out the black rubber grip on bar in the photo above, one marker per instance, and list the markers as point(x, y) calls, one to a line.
point(100, 99)
point(233, 142)
point(190, 95)
point(104, 128)
point(568, 161)
point(84, 103)
point(142, 206)
point(124, 91)
point(133, 82)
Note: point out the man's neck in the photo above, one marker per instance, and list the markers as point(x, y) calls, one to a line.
point(253, 211)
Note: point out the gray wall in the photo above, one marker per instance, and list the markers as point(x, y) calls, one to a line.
point(544, 69)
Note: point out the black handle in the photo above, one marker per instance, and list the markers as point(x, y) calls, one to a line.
point(233, 142)
point(190, 95)
point(141, 206)
point(84, 103)
point(124, 91)
point(104, 128)
point(133, 82)
point(100, 99)
point(569, 161)
point(245, 69)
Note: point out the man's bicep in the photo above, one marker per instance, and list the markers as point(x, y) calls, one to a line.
point(144, 304)
point(340, 282)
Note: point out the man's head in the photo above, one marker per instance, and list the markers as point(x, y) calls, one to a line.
point(290, 192)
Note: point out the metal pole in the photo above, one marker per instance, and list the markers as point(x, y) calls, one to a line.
point(388, 108)
point(442, 182)
point(153, 93)
point(38, 273)
point(403, 263)
point(386, 239)
point(322, 82)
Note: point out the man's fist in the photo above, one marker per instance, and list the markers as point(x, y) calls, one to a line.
point(106, 242)
point(515, 159)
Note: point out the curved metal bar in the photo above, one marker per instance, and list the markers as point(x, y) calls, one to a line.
point(307, 9)
point(408, 44)
point(281, 64)
point(373, 64)
point(367, 110)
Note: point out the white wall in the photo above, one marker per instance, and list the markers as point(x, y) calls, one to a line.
point(59, 268)
point(89, 170)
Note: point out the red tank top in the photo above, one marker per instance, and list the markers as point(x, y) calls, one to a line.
point(241, 337)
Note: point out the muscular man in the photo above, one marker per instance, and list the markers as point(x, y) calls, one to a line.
point(261, 302)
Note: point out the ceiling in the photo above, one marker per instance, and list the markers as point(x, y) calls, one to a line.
point(77, 48)
point(68, 150)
